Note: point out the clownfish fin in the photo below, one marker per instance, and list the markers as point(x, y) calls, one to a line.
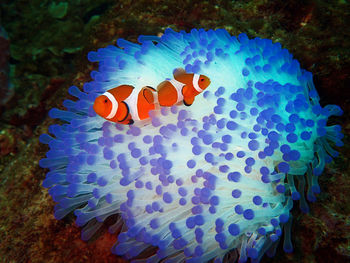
point(167, 94)
point(178, 72)
point(162, 85)
point(185, 90)
point(121, 92)
point(149, 87)
point(125, 112)
point(148, 94)
point(188, 101)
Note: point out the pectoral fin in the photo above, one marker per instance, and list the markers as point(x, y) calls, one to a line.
point(123, 112)
point(147, 93)
point(184, 91)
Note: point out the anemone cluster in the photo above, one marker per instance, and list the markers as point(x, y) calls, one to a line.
point(213, 181)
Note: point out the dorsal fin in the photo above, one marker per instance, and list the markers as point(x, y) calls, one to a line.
point(121, 92)
point(178, 72)
point(162, 85)
point(167, 94)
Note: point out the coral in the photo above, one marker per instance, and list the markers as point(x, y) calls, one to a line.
point(200, 182)
point(58, 10)
point(45, 39)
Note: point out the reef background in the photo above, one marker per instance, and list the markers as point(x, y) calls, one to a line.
point(49, 43)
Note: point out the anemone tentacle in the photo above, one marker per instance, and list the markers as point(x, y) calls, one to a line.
point(212, 181)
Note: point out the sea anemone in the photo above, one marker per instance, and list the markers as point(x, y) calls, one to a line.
point(213, 181)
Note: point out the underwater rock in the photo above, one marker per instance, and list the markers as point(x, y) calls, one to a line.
point(200, 182)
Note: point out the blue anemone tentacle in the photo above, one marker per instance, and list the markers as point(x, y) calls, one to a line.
point(213, 181)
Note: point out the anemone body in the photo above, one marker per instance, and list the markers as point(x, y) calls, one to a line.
point(213, 181)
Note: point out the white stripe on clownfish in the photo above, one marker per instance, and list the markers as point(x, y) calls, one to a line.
point(195, 83)
point(132, 101)
point(114, 105)
point(178, 86)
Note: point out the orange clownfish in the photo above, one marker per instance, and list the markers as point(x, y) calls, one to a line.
point(124, 104)
point(184, 87)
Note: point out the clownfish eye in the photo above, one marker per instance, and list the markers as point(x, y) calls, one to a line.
point(202, 79)
point(106, 101)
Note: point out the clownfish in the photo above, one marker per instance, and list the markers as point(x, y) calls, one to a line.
point(124, 104)
point(184, 87)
